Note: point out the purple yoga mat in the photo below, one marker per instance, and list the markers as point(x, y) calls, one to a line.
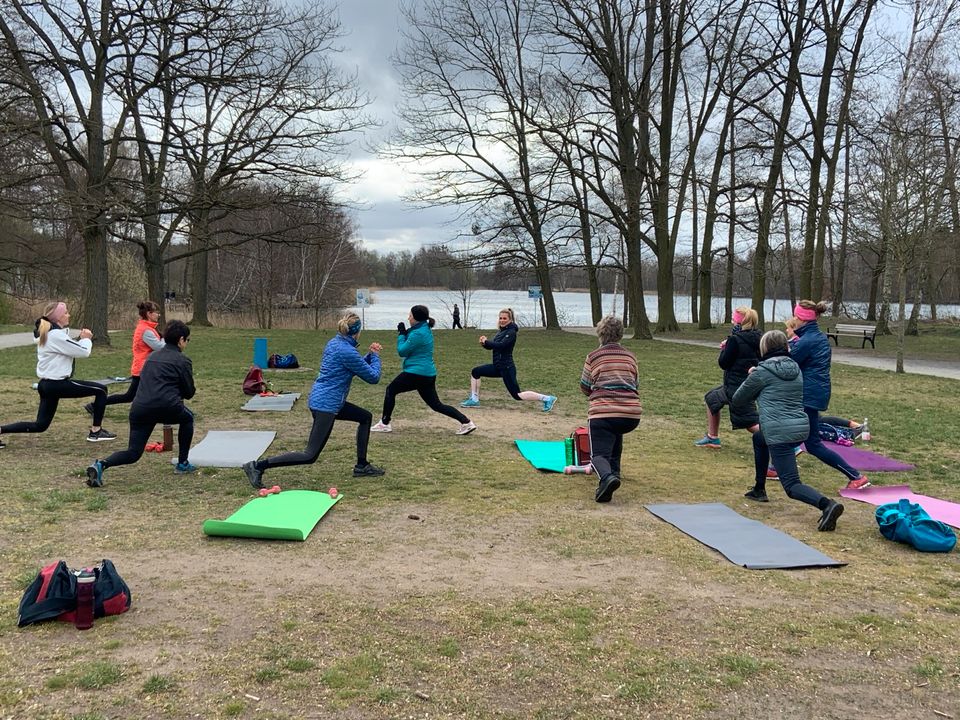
point(942, 510)
point(867, 460)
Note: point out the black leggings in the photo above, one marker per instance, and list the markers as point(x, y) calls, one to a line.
point(509, 375)
point(142, 423)
point(128, 396)
point(320, 433)
point(427, 387)
point(606, 443)
point(51, 392)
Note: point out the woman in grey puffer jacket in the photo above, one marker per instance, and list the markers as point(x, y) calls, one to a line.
point(776, 384)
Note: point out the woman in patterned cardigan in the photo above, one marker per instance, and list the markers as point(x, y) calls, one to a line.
point(610, 380)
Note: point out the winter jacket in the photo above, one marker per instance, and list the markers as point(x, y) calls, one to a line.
point(166, 380)
point(740, 352)
point(812, 353)
point(340, 362)
point(502, 346)
point(55, 357)
point(777, 385)
point(416, 348)
point(146, 339)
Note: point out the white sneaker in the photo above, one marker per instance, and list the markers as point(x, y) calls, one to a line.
point(380, 427)
point(466, 428)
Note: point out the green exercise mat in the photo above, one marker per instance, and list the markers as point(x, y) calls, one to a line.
point(287, 515)
point(551, 455)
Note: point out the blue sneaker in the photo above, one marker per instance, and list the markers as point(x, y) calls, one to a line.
point(548, 402)
point(470, 402)
point(95, 474)
point(185, 468)
point(711, 443)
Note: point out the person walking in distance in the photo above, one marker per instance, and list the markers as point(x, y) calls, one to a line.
point(456, 317)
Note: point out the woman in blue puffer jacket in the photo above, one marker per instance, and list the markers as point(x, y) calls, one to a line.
point(415, 346)
point(328, 402)
point(777, 386)
point(812, 353)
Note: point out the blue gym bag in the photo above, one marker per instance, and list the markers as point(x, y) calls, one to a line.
point(909, 523)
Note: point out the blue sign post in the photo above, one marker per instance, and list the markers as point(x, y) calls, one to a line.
point(535, 293)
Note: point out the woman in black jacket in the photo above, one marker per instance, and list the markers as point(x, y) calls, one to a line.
point(502, 366)
point(738, 353)
point(166, 380)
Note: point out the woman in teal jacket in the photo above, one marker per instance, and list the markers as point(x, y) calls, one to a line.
point(776, 384)
point(415, 346)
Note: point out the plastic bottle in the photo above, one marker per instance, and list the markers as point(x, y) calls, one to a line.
point(865, 432)
point(84, 616)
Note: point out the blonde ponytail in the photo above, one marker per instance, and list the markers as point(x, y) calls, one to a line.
point(43, 325)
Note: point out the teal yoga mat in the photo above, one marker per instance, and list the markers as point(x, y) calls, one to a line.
point(548, 455)
point(287, 515)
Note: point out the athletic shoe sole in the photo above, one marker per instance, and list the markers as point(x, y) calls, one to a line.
point(607, 489)
point(828, 522)
point(90, 438)
point(94, 479)
point(467, 431)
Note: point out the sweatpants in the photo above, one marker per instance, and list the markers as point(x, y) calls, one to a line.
point(320, 433)
point(51, 393)
point(606, 443)
point(426, 386)
point(142, 423)
point(508, 374)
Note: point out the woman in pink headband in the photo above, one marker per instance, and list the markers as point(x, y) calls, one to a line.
point(813, 354)
point(738, 354)
point(56, 353)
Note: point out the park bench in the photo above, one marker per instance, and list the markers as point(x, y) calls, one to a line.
point(864, 332)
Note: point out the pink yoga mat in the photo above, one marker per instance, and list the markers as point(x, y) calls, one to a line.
point(942, 510)
point(867, 460)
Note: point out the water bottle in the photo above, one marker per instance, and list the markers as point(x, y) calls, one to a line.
point(168, 437)
point(865, 432)
point(84, 616)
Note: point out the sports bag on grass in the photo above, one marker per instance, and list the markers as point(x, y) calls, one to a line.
point(909, 523)
point(253, 383)
point(53, 594)
point(581, 445)
point(283, 362)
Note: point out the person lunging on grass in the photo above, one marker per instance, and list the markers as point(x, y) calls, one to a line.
point(738, 353)
point(611, 380)
point(778, 387)
point(146, 339)
point(415, 346)
point(813, 354)
point(503, 367)
point(167, 380)
point(341, 361)
point(56, 352)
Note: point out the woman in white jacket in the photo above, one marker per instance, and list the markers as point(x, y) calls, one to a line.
point(56, 351)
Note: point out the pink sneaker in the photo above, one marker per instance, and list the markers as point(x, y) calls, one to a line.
point(859, 484)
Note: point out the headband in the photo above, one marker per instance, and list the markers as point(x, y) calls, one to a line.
point(354, 327)
point(737, 317)
point(805, 314)
point(56, 315)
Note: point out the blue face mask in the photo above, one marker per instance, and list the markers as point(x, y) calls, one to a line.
point(354, 328)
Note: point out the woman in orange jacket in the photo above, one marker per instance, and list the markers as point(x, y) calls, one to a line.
point(146, 339)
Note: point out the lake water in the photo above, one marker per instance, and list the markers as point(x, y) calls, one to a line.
point(388, 307)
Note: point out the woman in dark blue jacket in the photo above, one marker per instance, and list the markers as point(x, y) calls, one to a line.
point(415, 346)
point(341, 362)
point(502, 366)
point(812, 353)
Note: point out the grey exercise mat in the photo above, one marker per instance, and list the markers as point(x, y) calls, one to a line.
point(229, 448)
point(112, 380)
point(278, 403)
point(742, 541)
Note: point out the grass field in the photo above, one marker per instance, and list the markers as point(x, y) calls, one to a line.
point(464, 584)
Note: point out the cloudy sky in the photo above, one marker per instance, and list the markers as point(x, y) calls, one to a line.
point(372, 30)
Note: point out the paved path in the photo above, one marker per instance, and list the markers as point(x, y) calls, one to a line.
point(935, 368)
point(846, 356)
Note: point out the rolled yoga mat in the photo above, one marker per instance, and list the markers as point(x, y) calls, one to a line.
point(867, 460)
point(287, 515)
point(942, 510)
point(229, 448)
point(279, 403)
point(741, 540)
point(550, 455)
